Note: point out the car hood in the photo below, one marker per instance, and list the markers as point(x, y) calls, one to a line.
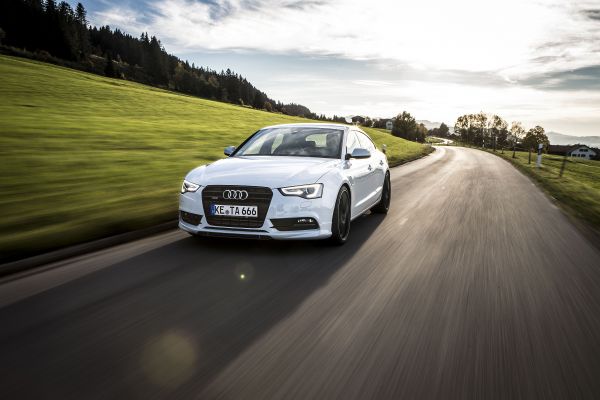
point(273, 172)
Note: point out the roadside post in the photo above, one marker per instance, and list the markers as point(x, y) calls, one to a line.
point(514, 149)
point(539, 155)
point(530, 150)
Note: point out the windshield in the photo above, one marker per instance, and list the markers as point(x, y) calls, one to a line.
point(295, 141)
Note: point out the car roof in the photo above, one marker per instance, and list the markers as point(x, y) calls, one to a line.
point(311, 125)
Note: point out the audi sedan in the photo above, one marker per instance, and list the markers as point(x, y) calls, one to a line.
point(293, 181)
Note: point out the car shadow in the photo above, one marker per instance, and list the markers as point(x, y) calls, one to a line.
point(165, 322)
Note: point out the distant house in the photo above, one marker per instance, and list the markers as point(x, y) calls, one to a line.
point(389, 125)
point(576, 151)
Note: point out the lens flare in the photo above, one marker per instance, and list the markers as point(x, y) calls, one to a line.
point(244, 271)
point(169, 360)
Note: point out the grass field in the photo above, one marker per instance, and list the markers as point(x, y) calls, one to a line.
point(85, 156)
point(578, 190)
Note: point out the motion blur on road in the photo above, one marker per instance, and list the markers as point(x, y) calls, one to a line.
point(473, 286)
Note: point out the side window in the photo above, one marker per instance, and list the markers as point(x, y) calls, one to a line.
point(365, 142)
point(352, 142)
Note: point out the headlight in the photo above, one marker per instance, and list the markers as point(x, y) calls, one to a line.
point(313, 191)
point(188, 186)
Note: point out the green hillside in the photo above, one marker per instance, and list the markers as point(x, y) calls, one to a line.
point(85, 156)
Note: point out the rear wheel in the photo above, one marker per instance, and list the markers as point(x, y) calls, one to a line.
point(340, 224)
point(386, 195)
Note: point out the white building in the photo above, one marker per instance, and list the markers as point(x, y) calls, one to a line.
point(582, 151)
point(575, 151)
point(389, 125)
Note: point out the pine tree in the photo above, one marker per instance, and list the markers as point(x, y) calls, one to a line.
point(109, 70)
point(81, 14)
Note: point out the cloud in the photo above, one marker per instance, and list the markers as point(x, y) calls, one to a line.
point(375, 83)
point(582, 79)
point(592, 14)
point(514, 38)
point(523, 59)
point(303, 5)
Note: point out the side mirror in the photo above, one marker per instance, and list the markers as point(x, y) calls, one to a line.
point(229, 150)
point(359, 153)
point(384, 148)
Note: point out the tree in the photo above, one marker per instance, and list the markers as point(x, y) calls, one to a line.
point(405, 126)
point(534, 137)
point(268, 106)
point(474, 129)
point(259, 100)
point(461, 128)
point(516, 132)
point(421, 133)
point(516, 135)
point(481, 129)
point(443, 130)
point(109, 70)
point(81, 14)
point(50, 6)
point(498, 130)
point(294, 109)
point(470, 128)
point(2, 35)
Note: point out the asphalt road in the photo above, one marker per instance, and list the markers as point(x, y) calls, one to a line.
point(473, 286)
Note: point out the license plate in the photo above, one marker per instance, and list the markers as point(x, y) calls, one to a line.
point(234, 211)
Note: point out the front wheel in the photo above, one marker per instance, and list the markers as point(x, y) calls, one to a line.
point(386, 195)
point(340, 224)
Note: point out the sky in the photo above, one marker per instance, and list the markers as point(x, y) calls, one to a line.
point(534, 61)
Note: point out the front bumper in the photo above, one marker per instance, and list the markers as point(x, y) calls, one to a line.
point(321, 210)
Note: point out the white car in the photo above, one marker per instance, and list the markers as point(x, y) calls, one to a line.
point(293, 181)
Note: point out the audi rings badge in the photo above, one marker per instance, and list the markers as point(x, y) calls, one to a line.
point(235, 194)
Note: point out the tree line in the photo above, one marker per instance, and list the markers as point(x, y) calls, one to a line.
point(486, 130)
point(406, 127)
point(54, 32)
point(478, 129)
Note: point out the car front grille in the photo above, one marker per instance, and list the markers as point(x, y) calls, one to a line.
point(257, 196)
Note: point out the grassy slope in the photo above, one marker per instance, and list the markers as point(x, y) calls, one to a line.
point(578, 189)
point(85, 156)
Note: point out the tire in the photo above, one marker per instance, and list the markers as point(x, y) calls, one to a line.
point(386, 195)
point(340, 224)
